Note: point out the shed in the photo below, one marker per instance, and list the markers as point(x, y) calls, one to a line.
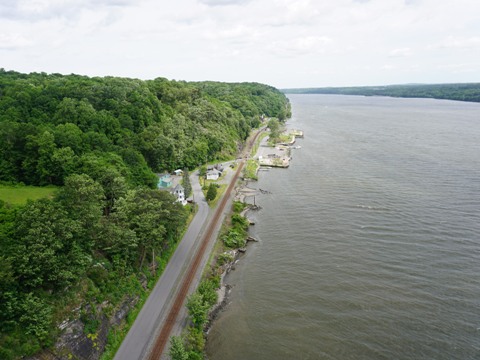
point(165, 181)
point(213, 174)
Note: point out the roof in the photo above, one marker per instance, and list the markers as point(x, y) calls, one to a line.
point(178, 188)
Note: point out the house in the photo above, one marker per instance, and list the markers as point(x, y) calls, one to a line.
point(213, 174)
point(179, 193)
point(178, 172)
point(165, 181)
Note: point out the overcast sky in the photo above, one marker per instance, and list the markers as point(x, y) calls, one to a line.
point(284, 43)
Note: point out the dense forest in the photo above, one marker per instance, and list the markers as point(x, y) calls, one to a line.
point(460, 92)
point(107, 229)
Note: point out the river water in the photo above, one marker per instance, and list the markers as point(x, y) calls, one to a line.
point(369, 244)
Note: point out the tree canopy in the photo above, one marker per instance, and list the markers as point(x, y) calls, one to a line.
point(52, 126)
point(102, 141)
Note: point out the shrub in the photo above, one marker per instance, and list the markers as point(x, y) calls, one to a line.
point(211, 192)
point(234, 239)
point(224, 258)
point(238, 206)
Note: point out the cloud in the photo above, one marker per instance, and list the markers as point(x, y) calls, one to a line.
point(389, 67)
point(239, 32)
point(300, 46)
point(332, 43)
point(223, 2)
point(13, 41)
point(460, 43)
point(452, 44)
point(460, 68)
point(295, 12)
point(400, 52)
point(35, 10)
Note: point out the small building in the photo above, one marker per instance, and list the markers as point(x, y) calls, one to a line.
point(165, 181)
point(179, 193)
point(213, 174)
point(219, 167)
point(178, 172)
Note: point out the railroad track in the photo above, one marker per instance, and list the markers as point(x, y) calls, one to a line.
point(164, 334)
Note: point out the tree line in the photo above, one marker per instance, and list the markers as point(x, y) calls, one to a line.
point(55, 125)
point(102, 141)
point(461, 92)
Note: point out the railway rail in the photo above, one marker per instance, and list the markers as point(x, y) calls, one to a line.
point(162, 339)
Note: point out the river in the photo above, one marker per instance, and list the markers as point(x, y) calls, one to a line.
point(369, 244)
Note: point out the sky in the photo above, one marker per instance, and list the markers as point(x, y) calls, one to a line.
point(283, 43)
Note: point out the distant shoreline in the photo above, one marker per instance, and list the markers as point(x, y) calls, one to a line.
point(469, 92)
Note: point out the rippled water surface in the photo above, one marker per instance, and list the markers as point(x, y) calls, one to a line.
point(369, 243)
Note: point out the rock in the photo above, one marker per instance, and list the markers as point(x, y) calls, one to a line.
point(123, 311)
point(143, 281)
point(73, 343)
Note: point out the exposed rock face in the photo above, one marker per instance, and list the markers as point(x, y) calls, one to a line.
point(73, 343)
point(89, 347)
point(123, 311)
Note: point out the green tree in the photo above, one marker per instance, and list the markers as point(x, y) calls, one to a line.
point(69, 135)
point(274, 126)
point(186, 183)
point(142, 213)
point(37, 164)
point(82, 197)
point(46, 252)
point(197, 309)
point(64, 163)
point(177, 349)
point(36, 316)
point(202, 171)
point(208, 290)
point(211, 192)
point(195, 343)
point(118, 243)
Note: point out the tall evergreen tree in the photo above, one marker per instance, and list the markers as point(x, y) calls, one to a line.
point(187, 186)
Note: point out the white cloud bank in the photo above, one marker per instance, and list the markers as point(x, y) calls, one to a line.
point(285, 43)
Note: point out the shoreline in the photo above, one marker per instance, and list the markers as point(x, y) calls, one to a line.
point(242, 192)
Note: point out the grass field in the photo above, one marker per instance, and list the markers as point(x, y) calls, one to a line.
point(18, 195)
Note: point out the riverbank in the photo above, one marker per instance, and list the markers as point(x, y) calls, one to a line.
point(212, 294)
point(243, 192)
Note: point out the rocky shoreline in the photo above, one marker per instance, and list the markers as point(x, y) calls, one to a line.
point(225, 289)
point(242, 193)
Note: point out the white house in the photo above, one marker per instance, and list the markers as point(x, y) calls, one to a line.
point(213, 174)
point(179, 192)
point(178, 172)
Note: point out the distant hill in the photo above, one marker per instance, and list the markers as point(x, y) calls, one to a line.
point(460, 92)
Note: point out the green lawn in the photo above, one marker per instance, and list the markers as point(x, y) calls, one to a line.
point(18, 195)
